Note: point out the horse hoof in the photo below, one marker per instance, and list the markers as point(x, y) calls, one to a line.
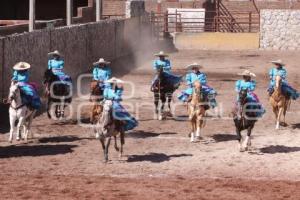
point(18, 139)
point(160, 118)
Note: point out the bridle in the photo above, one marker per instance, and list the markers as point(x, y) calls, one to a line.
point(13, 97)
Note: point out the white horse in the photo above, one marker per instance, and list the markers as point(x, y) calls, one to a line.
point(19, 111)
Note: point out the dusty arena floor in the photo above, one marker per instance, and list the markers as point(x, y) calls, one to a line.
point(65, 161)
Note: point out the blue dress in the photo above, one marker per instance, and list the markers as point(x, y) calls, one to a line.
point(190, 78)
point(57, 67)
point(119, 112)
point(286, 88)
point(251, 96)
point(166, 65)
point(101, 74)
point(29, 94)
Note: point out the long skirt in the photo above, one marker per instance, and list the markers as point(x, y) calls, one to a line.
point(29, 95)
point(287, 90)
point(120, 113)
point(208, 91)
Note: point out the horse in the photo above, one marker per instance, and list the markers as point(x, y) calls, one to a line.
point(57, 92)
point(108, 127)
point(244, 119)
point(96, 98)
point(279, 102)
point(19, 112)
point(163, 90)
point(197, 111)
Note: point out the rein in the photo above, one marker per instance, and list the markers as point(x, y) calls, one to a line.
point(17, 108)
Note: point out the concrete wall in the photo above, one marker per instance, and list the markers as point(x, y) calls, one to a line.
point(280, 29)
point(217, 41)
point(81, 45)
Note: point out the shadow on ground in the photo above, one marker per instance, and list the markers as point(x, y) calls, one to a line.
point(224, 137)
point(296, 126)
point(279, 149)
point(155, 157)
point(57, 139)
point(143, 134)
point(37, 150)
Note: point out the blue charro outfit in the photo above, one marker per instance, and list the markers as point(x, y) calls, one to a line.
point(251, 96)
point(286, 88)
point(101, 74)
point(29, 94)
point(166, 65)
point(119, 112)
point(190, 78)
point(57, 67)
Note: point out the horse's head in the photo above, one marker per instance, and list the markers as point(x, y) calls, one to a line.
point(49, 76)
point(14, 92)
point(243, 96)
point(160, 71)
point(106, 116)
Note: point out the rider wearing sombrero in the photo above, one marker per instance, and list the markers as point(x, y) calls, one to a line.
point(29, 93)
point(56, 64)
point(113, 91)
point(248, 84)
point(164, 63)
point(280, 70)
point(193, 75)
point(101, 73)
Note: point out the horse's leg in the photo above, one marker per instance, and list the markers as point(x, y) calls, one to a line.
point(198, 125)
point(116, 143)
point(248, 137)
point(107, 148)
point(12, 120)
point(163, 101)
point(48, 108)
point(156, 101)
point(19, 126)
point(169, 95)
point(193, 128)
point(102, 140)
point(239, 136)
point(122, 139)
point(279, 117)
point(28, 126)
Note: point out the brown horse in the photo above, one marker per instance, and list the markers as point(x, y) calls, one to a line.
point(96, 98)
point(279, 102)
point(197, 109)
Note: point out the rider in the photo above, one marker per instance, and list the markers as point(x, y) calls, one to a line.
point(29, 93)
point(280, 70)
point(101, 73)
point(196, 75)
point(56, 64)
point(248, 84)
point(166, 65)
point(113, 91)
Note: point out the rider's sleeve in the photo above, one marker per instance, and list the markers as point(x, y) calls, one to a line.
point(15, 76)
point(238, 86)
point(108, 74)
point(61, 64)
point(282, 73)
point(118, 94)
point(252, 86)
point(203, 79)
point(155, 65)
point(49, 64)
point(95, 74)
point(167, 65)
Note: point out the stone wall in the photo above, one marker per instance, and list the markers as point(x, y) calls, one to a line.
point(280, 29)
point(81, 45)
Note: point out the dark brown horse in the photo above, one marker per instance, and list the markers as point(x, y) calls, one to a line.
point(58, 93)
point(244, 119)
point(96, 98)
point(163, 90)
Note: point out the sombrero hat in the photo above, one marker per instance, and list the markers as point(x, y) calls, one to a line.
point(114, 80)
point(56, 52)
point(279, 62)
point(161, 53)
point(191, 66)
point(247, 73)
point(101, 61)
point(21, 66)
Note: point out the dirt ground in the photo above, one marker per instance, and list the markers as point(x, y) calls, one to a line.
point(64, 160)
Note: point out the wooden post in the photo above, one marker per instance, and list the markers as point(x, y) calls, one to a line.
point(69, 12)
point(166, 28)
point(176, 20)
point(98, 10)
point(31, 15)
point(250, 21)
